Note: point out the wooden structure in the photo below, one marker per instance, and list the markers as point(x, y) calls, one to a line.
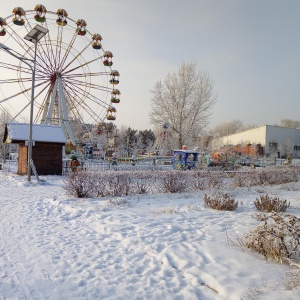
point(47, 150)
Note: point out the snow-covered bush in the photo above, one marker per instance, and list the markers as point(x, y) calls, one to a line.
point(214, 179)
point(198, 180)
point(173, 181)
point(275, 175)
point(277, 238)
point(79, 184)
point(220, 202)
point(118, 183)
point(242, 178)
point(269, 204)
point(143, 182)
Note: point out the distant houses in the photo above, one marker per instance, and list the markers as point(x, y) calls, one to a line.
point(267, 139)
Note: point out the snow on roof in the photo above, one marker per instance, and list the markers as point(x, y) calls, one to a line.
point(40, 133)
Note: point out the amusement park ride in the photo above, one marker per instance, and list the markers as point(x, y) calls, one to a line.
point(163, 143)
point(75, 85)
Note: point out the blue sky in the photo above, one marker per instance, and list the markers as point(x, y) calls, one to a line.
point(250, 48)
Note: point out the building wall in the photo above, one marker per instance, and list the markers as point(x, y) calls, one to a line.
point(253, 136)
point(47, 158)
point(263, 135)
point(22, 159)
point(281, 136)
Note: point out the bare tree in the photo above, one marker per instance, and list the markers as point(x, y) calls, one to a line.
point(4, 118)
point(227, 128)
point(184, 100)
point(290, 123)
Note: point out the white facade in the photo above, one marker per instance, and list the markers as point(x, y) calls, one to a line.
point(273, 139)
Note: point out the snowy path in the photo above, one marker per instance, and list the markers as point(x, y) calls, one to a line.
point(55, 247)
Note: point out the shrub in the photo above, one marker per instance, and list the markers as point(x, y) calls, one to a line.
point(214, 179)
point(223, 202)
point(198, 180)
point(142, 182)
point(277, 238)
point(269, 204)
point(173, 181)
point(118, 183)
point(79, 184)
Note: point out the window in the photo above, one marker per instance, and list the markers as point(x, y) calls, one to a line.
point(273, 146)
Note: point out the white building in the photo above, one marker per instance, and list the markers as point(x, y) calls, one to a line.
point(275, 140)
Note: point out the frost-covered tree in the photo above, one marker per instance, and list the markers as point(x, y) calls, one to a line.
point(227, 128)
point(146, 139)
point(184, 100)
point(290, 123)
point(4, 118)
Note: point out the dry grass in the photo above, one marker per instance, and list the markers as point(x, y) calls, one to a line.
point(277, 238)
point(269, 204)
point(220, 202)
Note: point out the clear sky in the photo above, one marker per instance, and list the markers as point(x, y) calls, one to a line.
point(251, 48)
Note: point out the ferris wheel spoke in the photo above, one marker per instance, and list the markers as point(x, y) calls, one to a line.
point(74, 59)
point(21, 111)
point(19, 93)
point(14, 80)
point(87, 74)
point(18, 39)
point(43, 105)
point(82, 65)
point(14, 67)
point(82, 92)
point(83, 105)
point(89, 85)
point(67, 52)
point(42, 61)
point(49, 47)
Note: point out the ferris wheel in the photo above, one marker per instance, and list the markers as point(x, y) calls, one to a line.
point(75, 82)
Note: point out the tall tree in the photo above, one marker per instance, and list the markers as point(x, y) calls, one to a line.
point(289, 123)
point(227, 128)
point(4, 118)
point(146, 138)
point(184, 100)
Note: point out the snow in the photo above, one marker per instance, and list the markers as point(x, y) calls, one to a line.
point(162, 246)
point(40, 133)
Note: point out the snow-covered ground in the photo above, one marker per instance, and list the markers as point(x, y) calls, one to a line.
point(163, 246)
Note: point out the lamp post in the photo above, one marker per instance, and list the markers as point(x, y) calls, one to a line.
point(33, 36)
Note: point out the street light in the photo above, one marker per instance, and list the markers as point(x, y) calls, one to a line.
point(33, 36)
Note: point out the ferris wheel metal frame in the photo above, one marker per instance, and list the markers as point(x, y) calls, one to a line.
point(75, 83)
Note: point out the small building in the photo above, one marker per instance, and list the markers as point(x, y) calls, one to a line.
point(273, 140)
point(47, 148)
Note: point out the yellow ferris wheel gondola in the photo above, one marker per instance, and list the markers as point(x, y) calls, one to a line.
point(81, 25)
point(40, 13)
point(2, 24)
point(108, 58)
point(115, 96)
point(18, 19)
point(62, 14)
point(114, 77)
point(96, 41)
point(111, 113)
